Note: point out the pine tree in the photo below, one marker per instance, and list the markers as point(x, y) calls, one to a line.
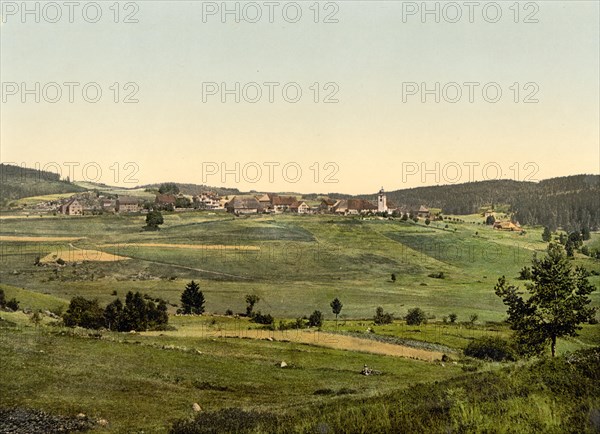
point(192, 299)
point(336, 307)
point(547, 235)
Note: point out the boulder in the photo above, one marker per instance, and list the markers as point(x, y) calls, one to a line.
point(196, 407)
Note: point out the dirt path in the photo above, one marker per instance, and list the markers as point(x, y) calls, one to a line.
point(321, 339)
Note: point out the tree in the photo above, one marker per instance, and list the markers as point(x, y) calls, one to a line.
point(427, 222)
point(84, 313)
point(153, 220)
point(2, 298)
point(452, 317)
point(490, 220)
point(404, 217)
point(315, 319)
point(556, 306)
point(168, 188)
point(472, 318)
point(336, 307)
point(382, 317)
point(585, 233)
point(547, 235)
point(416, 316)
point(192, 299)
point(251, 300)
point(525, 273)
point(112, 315)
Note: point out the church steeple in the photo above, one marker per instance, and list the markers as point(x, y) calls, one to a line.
point(381, 201)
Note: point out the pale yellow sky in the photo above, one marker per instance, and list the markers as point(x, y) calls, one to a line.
point(370, 137)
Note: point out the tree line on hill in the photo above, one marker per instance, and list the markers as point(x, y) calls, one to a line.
point(19, 182)
point(569, 202)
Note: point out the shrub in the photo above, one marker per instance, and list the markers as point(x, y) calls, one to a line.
point(491, 348)
point(382, 317)
point(259, 318)
point(12, 304)
point(416, 316)
point(2, 298)
point(315, 319)
point(439, 275)
point(452, 317)
point(229, 312)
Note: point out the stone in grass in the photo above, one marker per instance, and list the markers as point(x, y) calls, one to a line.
point(196, 407)
point(283, 364)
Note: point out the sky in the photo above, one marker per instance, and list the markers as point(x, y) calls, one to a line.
point(304, 96)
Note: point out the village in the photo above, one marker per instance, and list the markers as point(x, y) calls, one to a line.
point(92, 203)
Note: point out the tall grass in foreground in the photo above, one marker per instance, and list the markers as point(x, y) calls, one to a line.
point(560, 395)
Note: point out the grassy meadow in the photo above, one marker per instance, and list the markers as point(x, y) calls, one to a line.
point(296, 264)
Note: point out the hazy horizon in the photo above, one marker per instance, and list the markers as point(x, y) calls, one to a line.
point(379, 132)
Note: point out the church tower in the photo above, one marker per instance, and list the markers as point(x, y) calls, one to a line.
point(381, 201)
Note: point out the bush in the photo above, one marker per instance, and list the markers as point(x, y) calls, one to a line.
point(315, 319)
point(491, 348)
point(259, 318)
point(452, 317)
point(439, 275)
point(416, 316)
point(12, 304)
point(382, 317)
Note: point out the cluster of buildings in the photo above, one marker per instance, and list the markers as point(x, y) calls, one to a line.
point(273, 203)
point(238, 205)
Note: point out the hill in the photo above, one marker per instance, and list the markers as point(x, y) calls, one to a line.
point(195, 189)
point(19, 182)
point(570, 202)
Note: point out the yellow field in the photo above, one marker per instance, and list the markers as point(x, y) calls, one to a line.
point(80, 255)
point(37, 239)
point(321, 339)
point(187, 246)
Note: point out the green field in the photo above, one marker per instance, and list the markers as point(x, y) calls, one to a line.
point(296, 264)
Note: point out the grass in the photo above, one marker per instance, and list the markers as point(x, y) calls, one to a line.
point(298, 265)
point(63, 371)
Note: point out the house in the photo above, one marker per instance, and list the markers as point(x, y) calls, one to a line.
point(207, 200)
point(423, 212)
point(354, 207)
point(264, 200)
point(281, 203)
point(108, 205)
point(299, 207)
point(127, 204)
point(165, 200)
point(71, 207)
point(507, 226)
point(328, 205)
point(243, 205)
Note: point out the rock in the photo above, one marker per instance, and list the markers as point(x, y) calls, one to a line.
point(283, 364)
point(270, 339)
point(196, 407)
point(102, 422)
point(81, 416)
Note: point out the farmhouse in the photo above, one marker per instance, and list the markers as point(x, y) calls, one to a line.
point(243, 205)
point(207, 200)
point(507, 226)
point(127, 204)
point(327, 205)
point(165, 199)
point(264, 200)
point(354, 206)
point(299, 207)
point(281, 203)
point(423, 212)
point(72, 207)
